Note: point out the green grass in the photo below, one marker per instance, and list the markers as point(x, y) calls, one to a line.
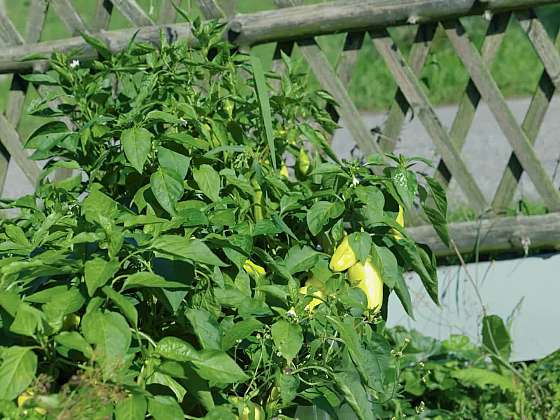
point(516, 68)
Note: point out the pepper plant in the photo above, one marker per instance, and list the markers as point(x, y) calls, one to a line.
point(170, 274)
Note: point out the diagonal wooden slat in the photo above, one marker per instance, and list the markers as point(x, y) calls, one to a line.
point(69, 16)
point(412, 90)
point(469, 101)
point(329, 81)
point(397, 113)
point(496, 102)
point(543, 45)
point(11, 141)
point(211, 9)
point(102, 15)
point(167, 13)
point(133, 12)
point(16, 97)
point(8, 33)
point(349, 56)
point(531, 124)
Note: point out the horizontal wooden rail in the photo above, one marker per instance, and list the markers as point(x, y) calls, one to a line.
point(498, 234)
point(22, 58)
point(358, 15)
point(292, 23)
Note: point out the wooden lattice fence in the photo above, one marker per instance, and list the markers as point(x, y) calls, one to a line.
point(364, 21)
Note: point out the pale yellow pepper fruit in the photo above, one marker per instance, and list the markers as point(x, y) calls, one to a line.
point(367, 277)
point(27, 395)
point(251, 268)
point(343, 257)
point(400, 221)
point(320, 296)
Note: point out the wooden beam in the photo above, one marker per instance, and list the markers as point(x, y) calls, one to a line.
point(11, 58)
point(516, 233)
point(357, 15)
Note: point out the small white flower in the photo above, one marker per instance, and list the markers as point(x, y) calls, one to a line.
point(355, 181)
point(75, 63)
point(183, 122)
point(291, 313)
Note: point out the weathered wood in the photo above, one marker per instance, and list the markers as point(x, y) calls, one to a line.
point(211, 9)
point(69, 16)
point(167, 13)
point(102, 15)
point(416, 97)
point(18, 89)
point(11, 141)
point(495, 235)
point(348, 56)
point(134, 13)
point(400, 107)
point(531, 125)
point(8, 33)
point(469, 101)
point(329, 81)
point(496, 102)
point(10, 59)
point(358, 15)
point(543, 45)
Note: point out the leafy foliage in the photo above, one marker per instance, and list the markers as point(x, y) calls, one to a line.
point(454, 378)
point(170, 262)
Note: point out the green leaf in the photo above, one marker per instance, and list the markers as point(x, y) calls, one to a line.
point(206, 328)
point(98, 272)
point(137, 143)
point(262, 94)
point(287, 385)
point(321, 213)
point(27, 320)
point(239, 331)
point(17, 371)
point(98, 44)
point(173, 161)
point(47, 136)
point(162, 116)
point(483, 377)
point(208, 180)
point(405, 184)
point(163, 407)
point(148, 279)
point(495, 336)
point(167, 187)
point(412, 254)
point(168, 381)
point(354, 394)
point(67, 302)
point(174, 348)
point(189, 249)
point(360, 242)
point(218, 367)
point(74, 340)
point(288, 339)
point(126, 307)
point(132, 408)
point(301, 258)
point(111, 335)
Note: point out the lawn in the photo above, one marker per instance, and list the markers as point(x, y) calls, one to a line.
point(516, 68)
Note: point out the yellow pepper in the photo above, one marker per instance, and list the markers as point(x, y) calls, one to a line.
point(343, 257)
point(367, 277)
point(302, 163)
point(251, 268)
point(320, 295)
point(400, 221)
point(27, 395)
point(284, 171)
